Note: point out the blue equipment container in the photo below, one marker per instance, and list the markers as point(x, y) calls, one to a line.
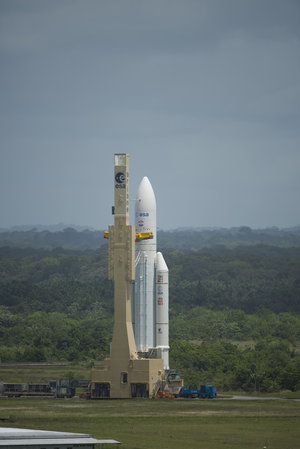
point(205, 391)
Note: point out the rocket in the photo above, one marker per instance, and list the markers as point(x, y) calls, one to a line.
point(151, 289)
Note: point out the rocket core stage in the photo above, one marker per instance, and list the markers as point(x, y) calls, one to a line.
point(150, 305)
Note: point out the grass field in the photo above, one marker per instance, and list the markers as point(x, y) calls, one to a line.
point(42, 373)
point(153, 424)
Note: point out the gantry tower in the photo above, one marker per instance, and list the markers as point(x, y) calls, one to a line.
point(124, 375)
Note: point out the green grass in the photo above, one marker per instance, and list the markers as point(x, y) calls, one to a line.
point(43, 373)
point(166, 424)
point(149, 424)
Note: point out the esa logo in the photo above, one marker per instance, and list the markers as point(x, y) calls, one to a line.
point(120, 179)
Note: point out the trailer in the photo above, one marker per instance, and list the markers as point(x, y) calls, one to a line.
point(12, 390)
point(62, 388)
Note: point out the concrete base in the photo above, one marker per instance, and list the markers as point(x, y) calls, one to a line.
point(138, 378)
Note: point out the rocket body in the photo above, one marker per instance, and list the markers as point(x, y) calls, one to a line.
point(151, 324)
point(145, 250)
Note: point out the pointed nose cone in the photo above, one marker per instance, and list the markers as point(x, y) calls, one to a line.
point(145, 213)
point(145, 198)
point(160, 263)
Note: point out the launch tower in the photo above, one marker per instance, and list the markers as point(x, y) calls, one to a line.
point(125, 374)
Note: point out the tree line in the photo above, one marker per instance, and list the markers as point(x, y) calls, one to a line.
point(180, 239)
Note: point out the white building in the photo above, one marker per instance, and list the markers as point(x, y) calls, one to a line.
point(11, 438)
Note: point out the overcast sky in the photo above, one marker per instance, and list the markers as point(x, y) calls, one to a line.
point(203, 94)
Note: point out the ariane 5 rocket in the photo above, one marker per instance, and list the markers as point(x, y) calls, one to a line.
point(151, 295)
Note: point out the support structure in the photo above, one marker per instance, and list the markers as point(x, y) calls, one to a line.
point(124, 375)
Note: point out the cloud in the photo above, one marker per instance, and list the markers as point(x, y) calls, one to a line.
point(203, 95)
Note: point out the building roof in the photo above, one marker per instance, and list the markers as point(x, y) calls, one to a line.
point(20, 437)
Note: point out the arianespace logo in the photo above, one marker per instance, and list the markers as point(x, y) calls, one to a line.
point(120, 179)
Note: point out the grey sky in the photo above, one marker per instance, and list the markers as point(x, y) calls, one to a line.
point(203, 95)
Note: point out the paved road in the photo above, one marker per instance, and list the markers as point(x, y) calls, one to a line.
point(257, 398)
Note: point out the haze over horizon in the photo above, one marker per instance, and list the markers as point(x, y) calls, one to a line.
point(203, 95)
point(58, 227)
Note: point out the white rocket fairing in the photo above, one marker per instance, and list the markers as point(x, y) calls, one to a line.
point(151, 312)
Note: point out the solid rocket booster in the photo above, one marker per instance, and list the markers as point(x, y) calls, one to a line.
point(162, 309)
point(151, 325)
